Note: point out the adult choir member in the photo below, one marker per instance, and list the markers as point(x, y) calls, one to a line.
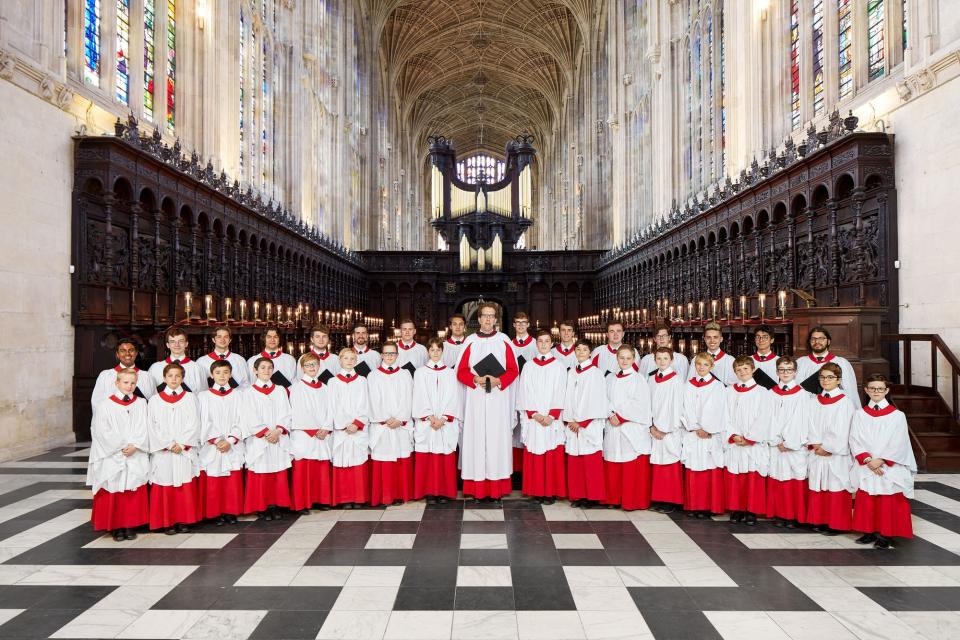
point(328, 365)
point(221, 445)
point(787, 479)
point(221, 338)
point(351, 416)
point(266, 415)
point(722, 361)
point(106, 383)
point(585, 411)
point(412, 355)
point(704, 417)
point(662, 338)
point(194, 379)
point(626, 436)
point(284, 364)
point(311, 430)
point(391, 429)
point(605, 356)
point(563, 350)
point(437, 410)
point(764, 359)
point(367, 358)
point(524, 350)
point(453, 345)
point(808, 367)
point(666, 400)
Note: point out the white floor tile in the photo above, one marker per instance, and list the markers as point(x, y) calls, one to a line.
point(168, 623)
point(563, 512)
point(334, 576)
point(811, 576)
point(484, 576)
point(376, 576)
point(131, 598)
point(647, 577)
point(9, 614)
point(932, 625)
point(810, 625)
point(263, 576)
point(602, 599)
point(485, 625)
point(877, 625)
point(225, 625)
point(364, 515)
point(736, 625)
point(586, 576)
point(98, 624)
point(614, 625)
point(483, 541)
point(483, 515)
point(921, 576)
point(576, 541)
point(604, 515)
point(366, 599)
point(550, 625)
point(841, 599)
point(391, 541)
point(419, 625)
point(354, 625)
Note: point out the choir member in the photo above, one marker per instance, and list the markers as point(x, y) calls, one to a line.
point(311, 430)
point(437, 409)
point(585, 411)
point(829, 466)
point(453, 345)
point(563, 350)
point(367, 358)
point(704, 418)
point(722, 361)
point(391, 429)
point(106, 383)
point(524, 350)
point(412, 355)
point(221, 445)
point(662, 338)
point(194, 379)
point(605, 356)
point(351, 416)
point(119, 465)
point(764, 359)
point(284, 364)
point(666, 400)
point(539, 400)
point(174, 435)
point(787, 479)
point(884, 469)
point(266, 412)
point(626, 436)
point(221, 338)
point(487, 368)
point(808, 368)
point(328, 365)
point(747, 452)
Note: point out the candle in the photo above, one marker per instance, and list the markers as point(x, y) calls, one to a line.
point(256, 310)
point(727, 308)
point(683, 345)
point(228, 308)
point(689, 313)
point(644, 315)
point(208, 307)
point(700, 306)
point(713, 309)
point(782, 296)
point(243, 310)
point(743, 307)
point(763, 304)
point(187, 303)
point(269, 311)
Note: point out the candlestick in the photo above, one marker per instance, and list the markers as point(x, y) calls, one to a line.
point(727, 308)
point(713, 309)
point(187, 304)
point(689, 313)
point(228, 308)
point(644, 315)
point(243, 310)
point(782, 297)
point(763, 304)
point(208, 307)
point(269, 311)
point(743, 307)
point(700, 306)
point(256, 310)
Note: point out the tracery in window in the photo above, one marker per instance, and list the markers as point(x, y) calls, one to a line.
point(149, 55)
point(123, 49)
point(818, 43)
point(91, 42)
point(845, 46)
point(875, 48)
point(469, 169)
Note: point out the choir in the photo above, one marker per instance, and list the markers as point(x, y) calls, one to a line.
point(592, 425)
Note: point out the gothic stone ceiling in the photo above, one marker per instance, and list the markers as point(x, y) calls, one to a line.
point(480, 71)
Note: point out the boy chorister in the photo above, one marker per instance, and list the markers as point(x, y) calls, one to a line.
point(284, 364)
point(106, 383)
point(662, 338)
point(747, 453)
point(626, 436)
point(437, 410)
point(453, 345)
point(704, 418)
point(351, 415)
point(829, 463)
point(311, 433)
point(119, 465)
point(390, 430)
point(221, 338)
point(194, 379)
point(787, 479)
point(722, 361)
point(666, 399)
point(174, 435)
point(266, 415)
point(585, 410)
point(328, 365)
point(539, 401)
point(884, 469)
point(221, 446)
point(563, 350)
point(412, 355)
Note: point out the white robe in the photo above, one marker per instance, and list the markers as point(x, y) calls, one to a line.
point(488, 418)
point(791, 419)
point(887, 437)
point(605, 357)
point(722, 367)
point(193, 377)
point(263, 411)
point(220, 419)
point(414, 353)
point(312, 411)
point(351, 404)
point(749, 415)
point(451, 352)
point(106, 386)
point(628, 394)
point(767, 364)
point(328, 362)
point(808, 366)
point(585, 401)
point(540, 390)
point(391, 396)
point(648, 364)
point(527, 348)
point(436, 392)
point(115, 426)
point(282, 362)
point(830, 427)
point(704, 407)
point(238, 366)
point(368, 355)
point(174, 423)
point(666, 400)
point(566, 354)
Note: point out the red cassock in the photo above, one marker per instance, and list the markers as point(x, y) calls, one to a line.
point(540, 391)
point(266, 407)
point(627, 446)
point(437, 394)
point(787, 479)
point(666, 399)
point(312, 417)
point(829, 501)
point(704, 409)
point(351, 460)
point(174, 489)
point(749, 415)
point(585, 402)
point(391, 449)
point(221, 473)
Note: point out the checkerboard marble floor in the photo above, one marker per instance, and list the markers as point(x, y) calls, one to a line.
point(523, 571)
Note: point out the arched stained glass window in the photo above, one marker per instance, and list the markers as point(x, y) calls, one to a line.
point(845, 46)
point(123, 50)
point(243, 37)
point(469, 169)
point(817, 31)
point(149, 55)
point(171, 63)
point(91, 42)
point(875, 48)
point(795, 64)
point(709, 104)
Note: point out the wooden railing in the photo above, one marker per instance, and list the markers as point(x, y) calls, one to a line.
point(937, 348)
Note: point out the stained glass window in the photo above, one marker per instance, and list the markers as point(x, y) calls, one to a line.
point(265, 119)
point(697, 106)
point(795, 64)
point(91, 42)
point(905, 22)
point(171, 62)
point(123, 49)
point(845, 46)
point(875, 66)
point(149, 55)
point(243, 37)
point(469, 170)
point(254, 114)
point(818, 104)
point(723, 106)
point(709, 105)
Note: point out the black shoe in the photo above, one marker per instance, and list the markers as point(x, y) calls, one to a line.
point(691, 514)
point(220, 521)
point(831, 532)
point(668, 508)
point(750, 520)
point(265, 515)
point(790, 524)
point(820, 528)
point(171, 531)
point(867, 538)
point(323, 507)
point(182, 528)
point(657, 506)
point(737, 516)
point(304, 512)
point(397, 502)
point(882, 543)
point(591, 504)
point(777, 522)
point(118, 535)
point(577, 503)
point(442, 499)
point(548, 501)
point(129, 534)
point(231, 519)
point(703, 515)
point(277, 514)
point(431, 500)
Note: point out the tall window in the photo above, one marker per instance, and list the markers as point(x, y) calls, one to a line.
point(697, 106)
point(875, 67)
point(91, 42)
point(149, 55)
point(171, 62)
point(723, 85)
point(795, 64)
point(123, 49)
point(266, 118)
point(818, 103)
point(845, 46)
point(243, 37)
point(710, 131)
point(905, 3)
point(252, 138)
point(469, 170)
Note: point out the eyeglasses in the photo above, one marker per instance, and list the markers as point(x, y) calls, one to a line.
point(787, 370)
point(827, 377)
point(876, 389)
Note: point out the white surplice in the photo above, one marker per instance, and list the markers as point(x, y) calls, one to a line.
point(413, 353)
point(704, 407)
point(350, 399)
point(391, 396)
point(810, 365)
point(238, 367)
point(666, 400)
point(174, 419)
point(628, 394)
point(585, 402)
point(749, 415)
point(722, 367)
point(266, 407)
point(220, 419)
point(106, 386)
point(282, 362)
point(193, 377)
point(791, 419)
point(565, 354)
point(882, 433)
point(328, 362)
point(115, 426)
point(648, 365)
point(830, 417)
point(436, 392)
point(311, 406)
point(540, 389)
point(605, 357)
point(452, 347)
point(368, 355)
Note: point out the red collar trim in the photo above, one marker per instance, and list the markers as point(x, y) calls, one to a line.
point(361, 352)
point(216, 356)
point(590, 364)
point(824, 400)
point(348, 380)
point(266, 354)
point(183, 360)
point(405, 347)
point(740, 389)
point(793, 390)
point(565, 352)
point(387, 371)
point(767, 358)
point(312, 385)
point(433, 368)
point(621, 374)
point(698, 383)
point(887, 410)
point(826, 358)
point(266, 391)
point(118, 369)
point(523, 343)
point(660, 379)
point(544, 363)
point(718, 355)
point(172, 399)
point(119, 401)
point(222, 394)
point(455, 343)
point(613, 351)
point(322, 356)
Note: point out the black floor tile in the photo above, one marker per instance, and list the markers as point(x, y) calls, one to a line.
point(213, 576)
point(667, 625)
point(622, 540)
point(192, 597)
point(662, 599)
point(533, 576)
point(915, 598)
point(37, 623)
point(484, 527)
point(438, 541)
point(274, 599)
point(485, 599)
point(484, 557)
point(424, 599)
point(583, 557)
point(397, 527)
point(551, 596)
point(384, 557)
point(644, 557)
point(430, 576)
point(290, 625)
point(444, 556)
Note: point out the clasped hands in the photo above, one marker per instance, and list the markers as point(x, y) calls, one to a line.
point(481, 381)
point(542, 419)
